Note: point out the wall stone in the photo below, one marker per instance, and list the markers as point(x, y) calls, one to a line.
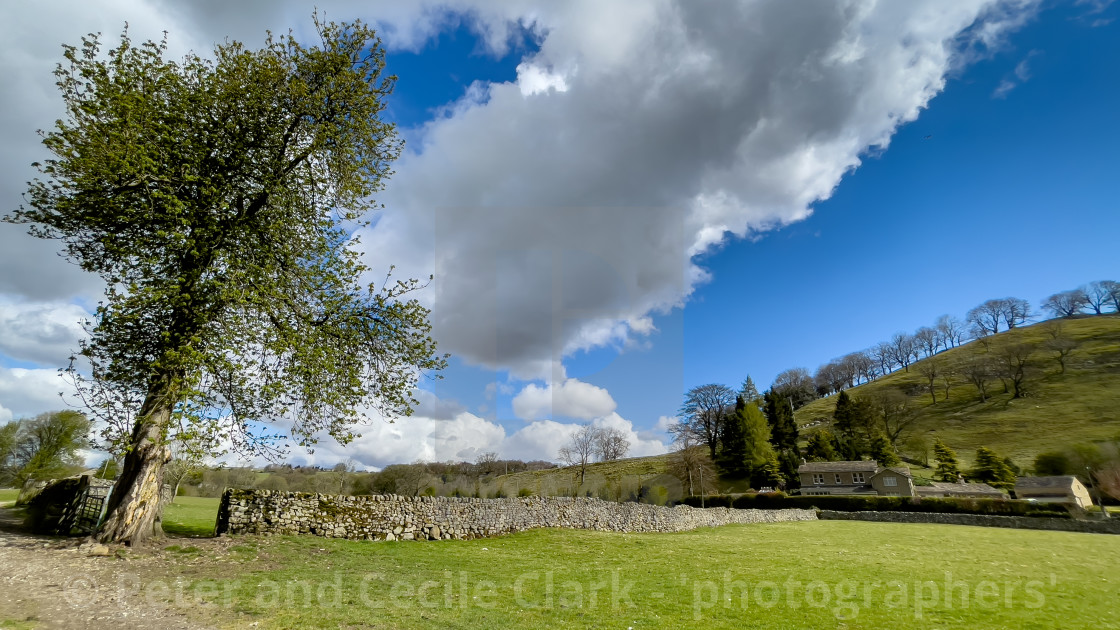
point(1110, 526)
point(393, 517)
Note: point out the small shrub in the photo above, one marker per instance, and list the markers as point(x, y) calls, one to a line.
point(524, 492)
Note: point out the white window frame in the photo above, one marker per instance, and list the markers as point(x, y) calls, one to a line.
point(857, 477)
point(818, 478)
point(890, 482)
point(838, 481)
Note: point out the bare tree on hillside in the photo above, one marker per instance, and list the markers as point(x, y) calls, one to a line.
point(611, 444)
point(1067, 303)
point(902, 350)
point(702, 412)
point(928, 340)
point(691, 464)
point(487, 463)
point(948, 378)
point(860, 365)
point(979, 370)
point(895, 413)
point(952, 330)
point(1014, 362)
point(1016, 311)
point(795, 384)
point(1099, 294)
point(1113, 289)
point(930, 369)
point(883, 355)
point(579, 449)
point(1059, 342)
point(986, 318)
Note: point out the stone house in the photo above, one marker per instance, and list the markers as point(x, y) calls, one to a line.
point(855, 478)
point(960, 490)
point(1065, 489)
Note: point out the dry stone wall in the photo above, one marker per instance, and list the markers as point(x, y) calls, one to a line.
point(392, 517)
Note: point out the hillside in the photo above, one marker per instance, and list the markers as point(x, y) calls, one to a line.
point(1060, 409)
point(610, 479)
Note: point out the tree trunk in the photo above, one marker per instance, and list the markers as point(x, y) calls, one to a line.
point(135, 508)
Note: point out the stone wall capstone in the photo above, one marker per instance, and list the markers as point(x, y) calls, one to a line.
point(393, 517)
point(1110, 526)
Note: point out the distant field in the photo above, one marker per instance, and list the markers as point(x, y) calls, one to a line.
point(791, 575)
point(191, 516)
point(1062, 409)
point(8, 496)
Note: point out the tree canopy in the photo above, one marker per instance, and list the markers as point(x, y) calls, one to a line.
point(217, 198)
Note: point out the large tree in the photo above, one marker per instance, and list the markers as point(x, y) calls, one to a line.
point(217, 198)
point(702, 414)
point(744, 447)
point(46, 446)
point(1066, 303)
point(779, 415)
point(947, 466)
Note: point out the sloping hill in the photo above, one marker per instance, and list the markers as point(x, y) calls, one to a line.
point(1081, 405)
point(610, 478)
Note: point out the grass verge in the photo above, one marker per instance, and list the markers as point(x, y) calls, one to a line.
point(191, 517)
point(812, 574)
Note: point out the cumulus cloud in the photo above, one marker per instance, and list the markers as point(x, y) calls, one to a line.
point(29, 392)
point(46, 333)
point(570, 398)
point(462, 436)
point(560, 210)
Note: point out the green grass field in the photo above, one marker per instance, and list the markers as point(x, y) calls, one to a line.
point(790, 575)
point(8, 496)
point(190, 516)
point(1061, 409)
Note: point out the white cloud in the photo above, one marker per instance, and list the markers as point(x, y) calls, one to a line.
point(46, 333)
point(572, 398)
point(533, 79)
point(29, 392)
point(462, 437)
point(558, 211)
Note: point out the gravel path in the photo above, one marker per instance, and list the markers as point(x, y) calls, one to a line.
point(48, 582)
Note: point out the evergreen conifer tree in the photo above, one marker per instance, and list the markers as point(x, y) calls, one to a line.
point(992, 470)
point(779, 415)
point(820, 447)
point(947, 469)
point(882, 451)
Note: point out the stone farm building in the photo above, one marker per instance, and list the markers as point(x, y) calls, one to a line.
point(960, 490)
point(859, 478)
point(1066, 489)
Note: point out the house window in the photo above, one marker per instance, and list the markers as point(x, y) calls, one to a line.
point(857, 477)
point(890, 481)
point(818, 478)
point(837, 477)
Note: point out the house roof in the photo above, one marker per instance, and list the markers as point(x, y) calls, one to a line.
point(1045, 485)
point(835, 467)
point(959, 488)
point(898, 470)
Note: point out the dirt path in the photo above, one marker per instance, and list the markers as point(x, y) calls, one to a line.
point(48, 582)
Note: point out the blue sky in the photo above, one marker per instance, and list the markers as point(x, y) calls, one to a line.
point(989, 193)
point(623, 200)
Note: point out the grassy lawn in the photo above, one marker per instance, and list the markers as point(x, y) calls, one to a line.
point(191, 516)
point(8, 496)
point(792, 575)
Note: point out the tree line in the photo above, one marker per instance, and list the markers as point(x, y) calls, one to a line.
point(905, 349)
point(47, 446)
point(746, 435)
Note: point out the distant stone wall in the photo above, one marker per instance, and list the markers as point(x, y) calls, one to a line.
point(392, 517)
point(1109, 526)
